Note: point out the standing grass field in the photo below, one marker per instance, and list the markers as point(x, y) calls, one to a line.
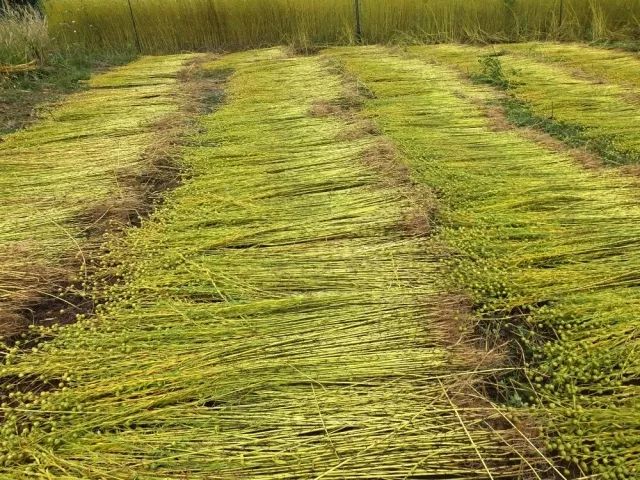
point(169, 26)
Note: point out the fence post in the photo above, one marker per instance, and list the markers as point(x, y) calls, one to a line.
point(561, 12)
point(135, 27)
point(358, 22)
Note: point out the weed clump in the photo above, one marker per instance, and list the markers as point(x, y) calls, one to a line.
point(492, 72)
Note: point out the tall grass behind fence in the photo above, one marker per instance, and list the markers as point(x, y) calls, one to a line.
point(166, 26)
point(176, 25)
point(500, 20)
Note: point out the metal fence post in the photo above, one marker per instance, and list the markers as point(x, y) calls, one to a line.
point(358, 22)
point(135, 27)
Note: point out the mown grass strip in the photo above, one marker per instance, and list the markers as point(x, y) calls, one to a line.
point(66, 177)
point(546, 251)
point(275, 320)
point(601, 116)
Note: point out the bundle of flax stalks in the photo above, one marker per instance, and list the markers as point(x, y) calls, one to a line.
point(11, 69)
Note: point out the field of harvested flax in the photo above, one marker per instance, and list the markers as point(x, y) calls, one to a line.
point(319, 259)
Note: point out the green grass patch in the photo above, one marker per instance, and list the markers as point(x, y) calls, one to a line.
point(35, 72)
point(26, 97)
point(629, 45)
